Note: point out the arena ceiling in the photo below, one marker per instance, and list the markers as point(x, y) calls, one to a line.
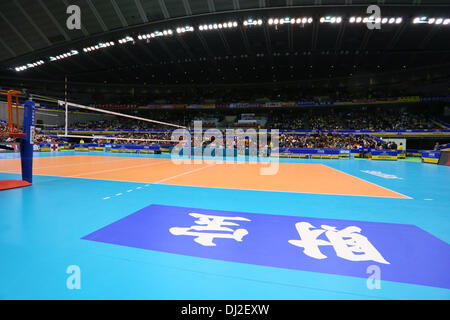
point(35, 30)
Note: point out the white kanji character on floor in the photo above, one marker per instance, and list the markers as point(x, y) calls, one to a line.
point(211, 223)
point(348, 243)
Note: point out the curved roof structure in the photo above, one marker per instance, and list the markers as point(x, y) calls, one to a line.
point(119, 41)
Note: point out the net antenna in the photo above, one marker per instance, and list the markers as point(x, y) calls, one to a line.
point(67, 108)
point(75, 105)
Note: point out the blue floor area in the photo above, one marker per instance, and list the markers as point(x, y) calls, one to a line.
point(41, 229)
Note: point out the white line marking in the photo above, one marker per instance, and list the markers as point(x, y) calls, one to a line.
point(79, 163)
point(381, 174)
point(367, 181)
point(105, 198)
point(73, 164)
point(297, 192)
point(118, 169)
point(184, 173)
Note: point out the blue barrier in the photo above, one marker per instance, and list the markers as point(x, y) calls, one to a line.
point(431, 156)
point(135, 147)
point(311, 151)
point(384, 152)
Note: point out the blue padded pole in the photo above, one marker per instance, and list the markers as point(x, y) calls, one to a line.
point(26, 143)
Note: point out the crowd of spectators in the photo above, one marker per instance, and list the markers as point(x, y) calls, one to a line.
point(295, 119)
point(330, 141)
point(277, 118)
point(386, 120)
point(43, 138)
point(378, 119)
point(320, 140)
point(3, 129)
point(38, 138)
point(162, 138)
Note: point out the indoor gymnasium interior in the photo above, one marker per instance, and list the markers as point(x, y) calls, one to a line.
point(224, 150)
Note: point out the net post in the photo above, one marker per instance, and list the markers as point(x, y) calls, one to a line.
point(26, 143)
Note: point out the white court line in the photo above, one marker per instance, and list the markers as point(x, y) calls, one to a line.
point(165, 179)
point(72, 164)
point(79, 163)
point(128, 191)
point(367, 181)
point(184, 173)
point(296, 192)
point(117, 169)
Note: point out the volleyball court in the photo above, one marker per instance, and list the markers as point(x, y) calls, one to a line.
point(140, 167)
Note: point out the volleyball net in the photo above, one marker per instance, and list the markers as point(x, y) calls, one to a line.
point(31, 120)
point(85, 122)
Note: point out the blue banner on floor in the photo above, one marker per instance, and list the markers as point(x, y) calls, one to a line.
point(403, 253)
